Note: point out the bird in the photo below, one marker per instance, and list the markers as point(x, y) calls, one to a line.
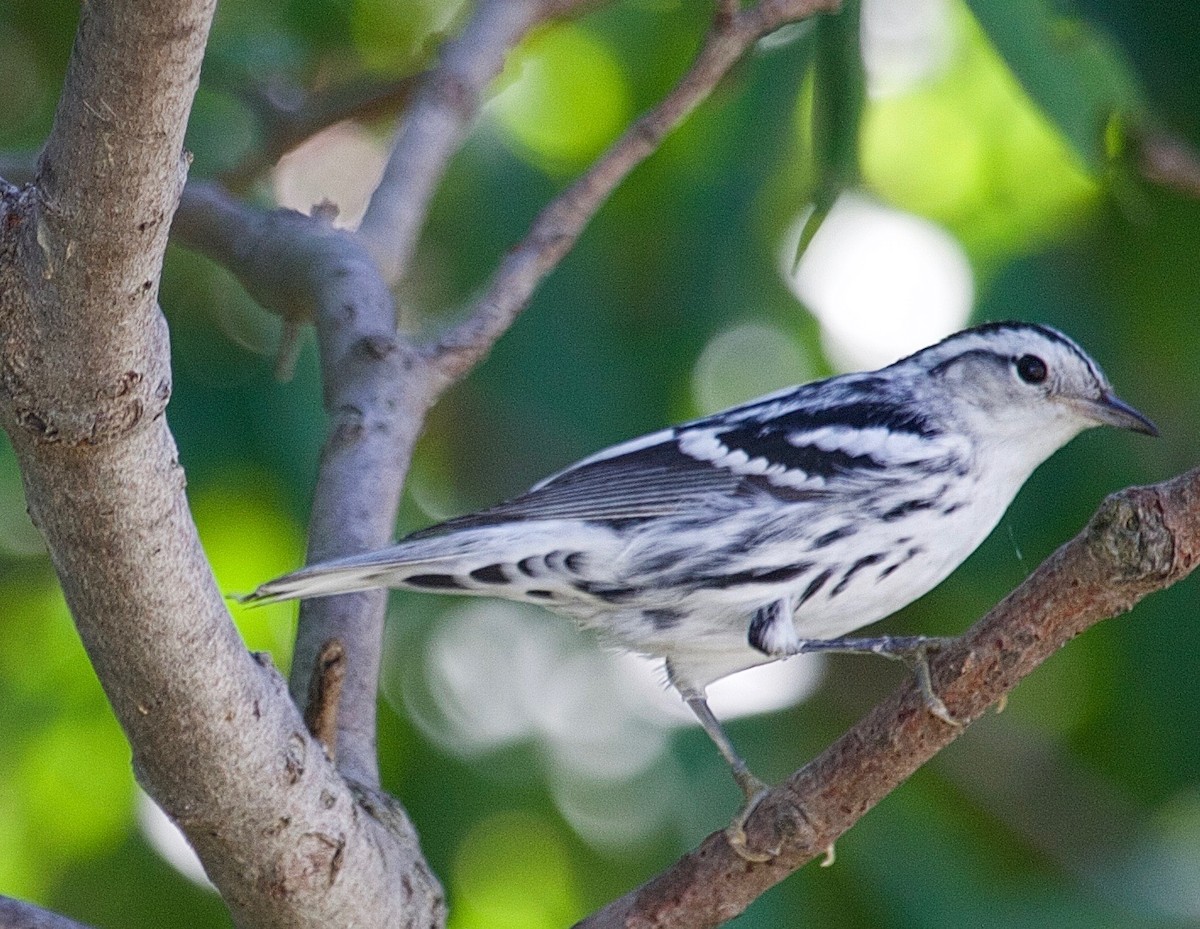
point(773, 528)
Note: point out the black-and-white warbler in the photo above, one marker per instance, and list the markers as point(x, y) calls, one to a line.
point(772, 528)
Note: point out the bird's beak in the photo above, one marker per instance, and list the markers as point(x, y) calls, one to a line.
point(1110, 410)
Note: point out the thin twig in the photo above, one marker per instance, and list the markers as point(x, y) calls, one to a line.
point(288, 124)
point(437, 122)
point(1139, 541)
point(559, 225)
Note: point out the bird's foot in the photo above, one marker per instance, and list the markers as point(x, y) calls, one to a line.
point(919, 662)
point(735, 833)
point(913, 650)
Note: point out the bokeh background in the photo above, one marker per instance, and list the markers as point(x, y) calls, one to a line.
point(985, 175)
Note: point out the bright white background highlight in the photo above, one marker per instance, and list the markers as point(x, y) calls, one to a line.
point(166, 839)
point(494, 674)
point(904, 42)
point(342, 164)
point(882, 283)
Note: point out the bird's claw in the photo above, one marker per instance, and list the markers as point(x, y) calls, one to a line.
point(913, 650)
point(918, 658)
point(735, 832)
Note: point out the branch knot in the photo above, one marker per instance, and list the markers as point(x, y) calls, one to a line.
point(1129, 534)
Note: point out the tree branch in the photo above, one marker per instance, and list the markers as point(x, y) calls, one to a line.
point(288, 124)
point(84, 379)
point(437, 122)
point(560, 223)
point(377, 387)
point(1139, 541)
point(14, 914)
point(376, 394)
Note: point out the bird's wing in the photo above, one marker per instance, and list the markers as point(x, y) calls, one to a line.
point(782, 445)
point(642, 479)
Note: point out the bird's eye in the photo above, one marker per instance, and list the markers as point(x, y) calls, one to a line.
point(1031, 369)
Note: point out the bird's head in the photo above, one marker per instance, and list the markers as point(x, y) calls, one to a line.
point(1021, 382)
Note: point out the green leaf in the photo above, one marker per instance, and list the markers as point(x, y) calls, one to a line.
point(839, 95)
point(1071, 69)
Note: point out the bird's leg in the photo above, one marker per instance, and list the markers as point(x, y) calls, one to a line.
point(913, 650)
point(752, 788)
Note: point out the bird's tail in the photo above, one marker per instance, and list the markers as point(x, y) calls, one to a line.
point(416, 565)
point(538, 564)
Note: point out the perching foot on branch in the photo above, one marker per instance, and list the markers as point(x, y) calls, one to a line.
point(913, 650)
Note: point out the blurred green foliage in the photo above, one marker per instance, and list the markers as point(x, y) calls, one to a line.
point(992, 169)
point(562, 98)
point(1078, 806)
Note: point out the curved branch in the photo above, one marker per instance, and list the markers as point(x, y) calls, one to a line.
point(1139, 541)
point(437, 122)
point(560, 224)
